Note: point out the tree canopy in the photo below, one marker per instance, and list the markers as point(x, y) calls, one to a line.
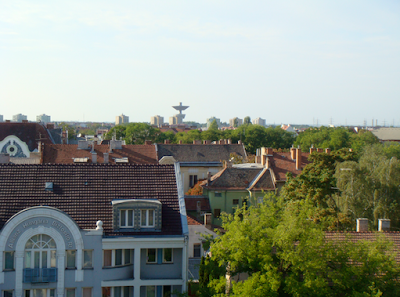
point(285, 253)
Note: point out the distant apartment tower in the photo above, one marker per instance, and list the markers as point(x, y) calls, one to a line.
point(43, 118)
point(235, 122)
point(157, 121)
point(174, 120)
point(19, 118)
point(259, 121)
point(1, 118)
point(210, 120)
point(121, 119)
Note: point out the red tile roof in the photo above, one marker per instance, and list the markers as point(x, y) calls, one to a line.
point(85, 191)
point(193, 221)
point(64, 153)
point(281, 163)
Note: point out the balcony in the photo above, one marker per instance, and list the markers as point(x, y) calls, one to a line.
point(40, 275)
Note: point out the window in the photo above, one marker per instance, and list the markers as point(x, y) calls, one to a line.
point(235, 201)
point(107, 260)
point(151, 255)
point(40, 292)
point(147, 218)
point(70, 292)
point(106, 292)
point(87, 258)
point(217, 194)
point(192, 180)
point(8, 260)
point(260, 199)
point(167, 256)
point(196, 250)
point(150, 291)
point(8, 293)
point(71, 259)
point(117, 257)
point(217, 213)
point(87, 292)
point(40, 252)
point(126, 218)
point(167, 291)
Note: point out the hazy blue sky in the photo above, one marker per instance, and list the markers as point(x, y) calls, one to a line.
point(284, 61)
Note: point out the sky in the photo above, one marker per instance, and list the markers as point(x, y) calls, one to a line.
point(297, 62)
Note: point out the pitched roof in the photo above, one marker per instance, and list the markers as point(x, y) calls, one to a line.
point(193, 221)
point(231, 178)
point(282, 163)
point(191, 203)
point(30, 133)
point(387, 134)
point(85, 191)
point(200, 152)
point(64, 153)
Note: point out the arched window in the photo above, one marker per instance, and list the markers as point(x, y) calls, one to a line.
point(40, 252)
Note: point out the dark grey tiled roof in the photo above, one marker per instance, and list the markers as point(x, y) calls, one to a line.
point(85, 191)
point(200, 152)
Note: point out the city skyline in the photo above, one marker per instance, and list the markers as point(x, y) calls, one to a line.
point(286, 62)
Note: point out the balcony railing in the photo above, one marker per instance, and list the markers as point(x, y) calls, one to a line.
point(40, 275)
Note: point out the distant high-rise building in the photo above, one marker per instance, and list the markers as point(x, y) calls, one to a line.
point(19, 118)
point(235, 122)
point(210, 120)
point(174, 120)
point(121, 119)
point(43, 118)
point(157, 121)
point(1, 118)
point(259, 121)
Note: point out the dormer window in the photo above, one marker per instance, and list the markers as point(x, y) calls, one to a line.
point(137, 215)
point(147, 218)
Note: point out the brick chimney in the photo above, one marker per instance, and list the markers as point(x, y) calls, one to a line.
point(148, 142)
point(206, 141)
point(293, 153)
point(229, 141)
point(362, 225)
point(328, 151)
point(312, 149)
point(383, 225)
point(180, 142)
point(320, 150)
point(298, 159)
point(264, 159)
point(239, 142)
point(166, 141)
point(270, 151)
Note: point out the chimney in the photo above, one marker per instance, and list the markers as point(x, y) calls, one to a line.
point(320, 150)
point(264, 159)
point(8, 121)
point(208, 178)
point(206, 141)
point(94, 157)
point(24, 121)
point(207, 220)
point(267, 163)
point(221, 141)
point(350, 150)
point(239, 142)
point(312, 149)
point(83, 145)
point(180, 142)
point(293, 153)
point(270, 151)
point(196, 141)
point(362, 225)
point(148, 142)
point(4, 158)
point(50, 126)
point(298, 159)
point(328, 151)
point(229, 141)
point(105, 157)
point(40, 147)
point(166, 141)
point(384, 225)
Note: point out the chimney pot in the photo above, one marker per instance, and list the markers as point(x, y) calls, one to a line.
point(263, 160)
point(328, 151)
point(362, 225)
point(166, 141)
point(320, 150)
point(293, 153)
point(180, 142)
point(312, 149)
point(384, 225)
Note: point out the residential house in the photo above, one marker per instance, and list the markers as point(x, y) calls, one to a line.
point(90, 152)
point(111, 230)
point(387, 134)
point(197, 159)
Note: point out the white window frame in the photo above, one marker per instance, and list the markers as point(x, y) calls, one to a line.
point(147, 225)
point(155, 258)
point(113, 258)
point(172, 255)
point(128, 224)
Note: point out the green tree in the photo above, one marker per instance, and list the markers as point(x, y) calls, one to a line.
point(247, 120)
point(284, 253)
point(213, 125)
point(134, 133)
point(70, 129)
